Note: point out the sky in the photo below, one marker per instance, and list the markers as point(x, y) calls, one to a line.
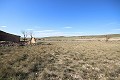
point(60, 17)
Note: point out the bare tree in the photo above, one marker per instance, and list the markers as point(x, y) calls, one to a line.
point(24, 35)
point(32, 40)
point(31, 34)
point(107, 38)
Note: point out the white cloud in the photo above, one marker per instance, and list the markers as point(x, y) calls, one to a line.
point(68, 27)
point(113, 24)
point(44, 31)
point(49, 30)
point(47, 33)
point(30, 29)
point(117, 29)
point(3, 26)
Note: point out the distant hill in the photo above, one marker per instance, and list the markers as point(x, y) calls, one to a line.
point(88, 37)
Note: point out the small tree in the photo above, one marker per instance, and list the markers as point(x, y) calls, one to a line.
point(24, 35)
point(107, 38)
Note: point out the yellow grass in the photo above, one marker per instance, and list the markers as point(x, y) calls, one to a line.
point(90, 60)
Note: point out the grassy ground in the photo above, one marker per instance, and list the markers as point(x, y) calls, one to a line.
point(92, 60)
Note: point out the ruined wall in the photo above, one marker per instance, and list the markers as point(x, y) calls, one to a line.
point(8, 37)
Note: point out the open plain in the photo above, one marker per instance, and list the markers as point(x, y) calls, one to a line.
point(70, 60)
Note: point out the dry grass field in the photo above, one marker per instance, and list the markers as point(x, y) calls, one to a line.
point(89, 60)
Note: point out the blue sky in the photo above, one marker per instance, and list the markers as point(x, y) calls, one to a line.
point(60, 17)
